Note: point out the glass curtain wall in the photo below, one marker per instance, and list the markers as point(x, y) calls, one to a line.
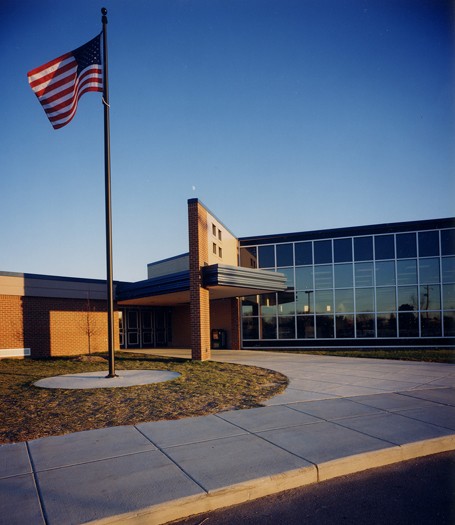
point(386, 286)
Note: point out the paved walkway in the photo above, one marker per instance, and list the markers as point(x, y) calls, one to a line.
point(338, 416)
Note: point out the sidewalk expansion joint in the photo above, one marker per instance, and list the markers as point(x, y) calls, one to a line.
point(89, 461)
point(175, 463)
point(37, 486)
point(254, 433)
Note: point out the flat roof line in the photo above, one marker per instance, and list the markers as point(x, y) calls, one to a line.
point(350, 231)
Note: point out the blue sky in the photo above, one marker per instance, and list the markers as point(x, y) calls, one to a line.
point(280, 115)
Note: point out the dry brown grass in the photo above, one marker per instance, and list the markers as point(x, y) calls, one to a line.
point(29, 412)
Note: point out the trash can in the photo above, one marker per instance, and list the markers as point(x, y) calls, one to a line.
point(218, 339)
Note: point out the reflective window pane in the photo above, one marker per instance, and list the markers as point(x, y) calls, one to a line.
point(248, 257)
point(305, 302)
point(364, 300)
point(342, 250)
point(250, 306)
point(324, 326)
point(406, 245)
point(428, 243)
point(364, 274)
point(387, 325)
point(289, 273)
point(303, 253)
point(147, 338)
point(343, 276)
point(267, 303)
point(286, 303)
point(363, 248)
point(305, 327)
point(147, 320)
point(385, 273)
point(133, 319)
point(322, 252)
point(449, 324)
point(365, 326)
point(266, 256)
point(408, 323)
point(407, 298)
point(448, 242)
point(323, 276)
point(304, 278)
point(133, 338)
point(344, 326)
point(429, 271)
point(430, 297)
point(286, 327)
point(430, 324)
point(385, 300)
point(268, 326)
point(284, 255)
point(407, 272)
point(344, 300)
point(250, 327)
point(448, 270)
point(449, 296)
point(323, 301)
point(384, 247)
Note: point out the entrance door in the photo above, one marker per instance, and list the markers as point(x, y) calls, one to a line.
point(144, 327)
point(161, 328)
point(132, 338)
point(148, 340)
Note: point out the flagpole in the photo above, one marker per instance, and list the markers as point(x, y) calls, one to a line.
point(107, 178)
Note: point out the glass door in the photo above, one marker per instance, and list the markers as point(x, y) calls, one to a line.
point(160, 328)
point(144, 327)
point(133, 339)
point(147, 329)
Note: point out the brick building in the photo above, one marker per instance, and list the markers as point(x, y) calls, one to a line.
point(372, 286)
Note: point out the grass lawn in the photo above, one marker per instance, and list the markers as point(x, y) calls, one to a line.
point(430, 355)
point(29, 412)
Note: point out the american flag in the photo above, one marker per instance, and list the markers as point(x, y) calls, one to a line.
point(60, 83)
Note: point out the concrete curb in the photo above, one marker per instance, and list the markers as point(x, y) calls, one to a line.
point(268, 485)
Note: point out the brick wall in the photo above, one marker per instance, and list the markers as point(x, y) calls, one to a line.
point(181, 333)
point(199, 296)
point(53, 326)
point(224, 315)
point(11, 322)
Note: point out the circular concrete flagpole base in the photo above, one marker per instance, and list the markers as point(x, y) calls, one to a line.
point(124, 378)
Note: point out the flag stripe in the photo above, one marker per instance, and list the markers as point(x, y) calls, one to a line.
point(51, 75)
point(62, 78)
point(67, 115)
point(47, 68)
point(67, 105)
point(60, 83)
point(55, 97)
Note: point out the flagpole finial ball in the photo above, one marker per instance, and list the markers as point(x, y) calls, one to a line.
point(104, 11)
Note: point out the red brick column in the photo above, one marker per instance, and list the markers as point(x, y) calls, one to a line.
point(199, 296)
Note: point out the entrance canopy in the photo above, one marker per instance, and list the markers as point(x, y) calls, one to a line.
point(222, 281)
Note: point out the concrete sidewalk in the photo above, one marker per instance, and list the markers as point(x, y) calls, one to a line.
point(338, 416)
